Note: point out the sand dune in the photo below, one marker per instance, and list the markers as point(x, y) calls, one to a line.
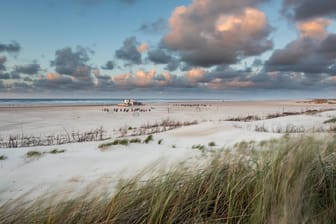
point(82, 164)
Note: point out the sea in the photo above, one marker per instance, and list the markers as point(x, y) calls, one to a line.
point(83, 101)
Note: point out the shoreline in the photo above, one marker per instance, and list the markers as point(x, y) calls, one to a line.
point(172, 103)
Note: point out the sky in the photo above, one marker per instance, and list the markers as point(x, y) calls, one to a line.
point(173, 48)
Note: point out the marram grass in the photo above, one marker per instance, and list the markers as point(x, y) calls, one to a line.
point(290, 180)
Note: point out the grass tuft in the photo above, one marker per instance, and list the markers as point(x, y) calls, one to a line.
point(211, 144)
point(3, 157)
point(148, 139)
point(199, 147)
point(135, 140)
point(332, 120)
point(32, 154)
point(56, 151)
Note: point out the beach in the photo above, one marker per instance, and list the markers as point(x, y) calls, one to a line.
point(178, 129)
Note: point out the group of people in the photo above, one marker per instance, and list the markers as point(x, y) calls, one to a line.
point(191, 105)
point(126, 110)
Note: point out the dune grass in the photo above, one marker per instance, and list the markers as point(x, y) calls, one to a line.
point(332, 120)
point(32, 154)
point(148, 139)
point(56, 151)
point(290, 180)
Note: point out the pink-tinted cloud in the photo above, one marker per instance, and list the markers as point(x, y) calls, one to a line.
point(53, 76)
point(315, 28)
point(142, 47)
point(195, 74)
point(211, 32)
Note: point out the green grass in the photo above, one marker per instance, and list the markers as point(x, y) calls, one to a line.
point(56, 151)
point(291, 180)
point(124, 142)
point(135, 140)
point(115, 142)
point(32, 154)
point(211, 144)
point(3, 157)
point(148, 139)
point(199, 147)
point(332, 120)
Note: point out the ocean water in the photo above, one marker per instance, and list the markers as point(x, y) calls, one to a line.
point(88, 101)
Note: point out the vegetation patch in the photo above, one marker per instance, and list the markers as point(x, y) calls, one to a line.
point(135, 140)
point(149, 139)
point(211, 144)
point(32, 154)
point(160, 141)
point(287, 180)
point(332, 120)
point(3, 157)
point(199, 147)
point(56, 151)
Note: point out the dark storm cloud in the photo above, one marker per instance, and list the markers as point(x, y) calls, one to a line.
point(108, 66)
point(129, 52)
point(30, 69)
point(156, 27)
point(307, 9)
point(13, 47)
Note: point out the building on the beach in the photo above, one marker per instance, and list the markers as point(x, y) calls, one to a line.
point(129, 103)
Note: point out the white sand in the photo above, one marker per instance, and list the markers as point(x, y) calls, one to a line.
point(83, 163)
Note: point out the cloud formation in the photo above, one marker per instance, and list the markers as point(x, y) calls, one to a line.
point(3, 60)
point(211, 32)
point(129, 51)
point(313, 52)
point(308, 9)
point(109, 65)
point(155, 27)
point(29, 69)
point(13, 47)
point(73, 63)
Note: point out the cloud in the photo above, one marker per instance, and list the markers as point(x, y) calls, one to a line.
point(129, 52)
point(13, 47)
point(73, 63)
point(211, 32)
point(109, 65)
point(5, 75)
point(195, 74)
point(140, 79)
point(308, 9)
point(29, 69)
point(159, 56)
point(142, 47)
point(313, 52)
point(164, 56)
point(316, 28)
point(155, 27)
point(3, 60)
